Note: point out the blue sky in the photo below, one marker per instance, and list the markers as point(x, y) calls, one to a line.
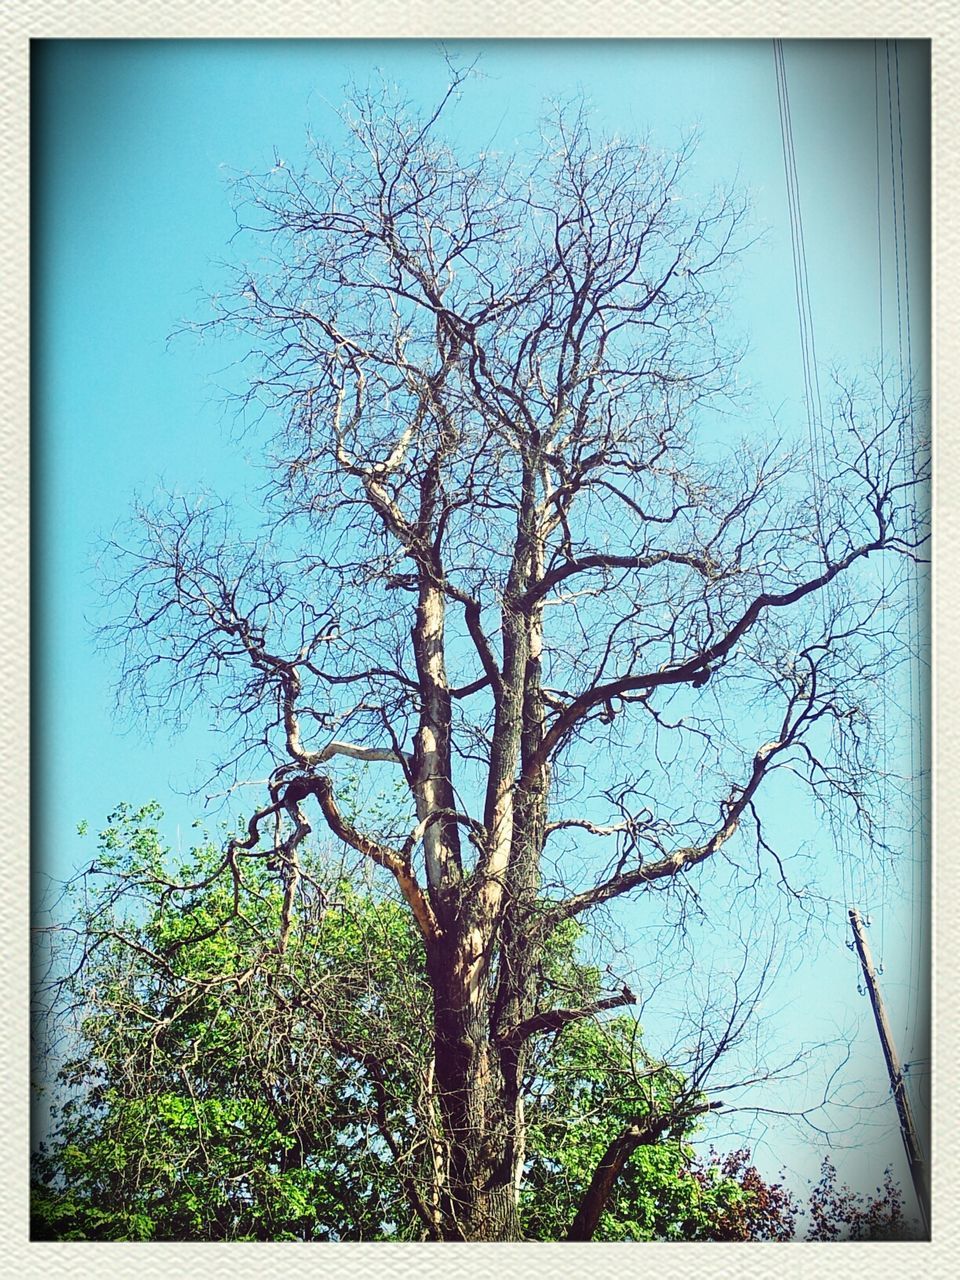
point(134, 144)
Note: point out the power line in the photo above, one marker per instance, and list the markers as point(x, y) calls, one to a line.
point(902, 411)
point(811, 381)
point(915, 690)
point(801, 278)
point(903, 219)
point(896, 221)
point(884, 639)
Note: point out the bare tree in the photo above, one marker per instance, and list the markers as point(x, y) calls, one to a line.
point(520, 558)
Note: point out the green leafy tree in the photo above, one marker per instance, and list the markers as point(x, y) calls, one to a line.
point(762, 1211)
point(219, 1086)
point(592, 1090)
point(214, 1091)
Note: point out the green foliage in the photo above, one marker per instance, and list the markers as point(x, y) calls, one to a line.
point(595, 1081)
point(216, 1089)
point(744, 1206)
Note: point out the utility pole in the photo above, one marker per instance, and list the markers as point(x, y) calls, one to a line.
point(895, 1071)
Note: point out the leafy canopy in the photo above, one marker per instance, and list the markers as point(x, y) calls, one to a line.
point(216, 1089)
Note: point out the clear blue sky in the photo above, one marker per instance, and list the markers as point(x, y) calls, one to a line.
point(134, 142)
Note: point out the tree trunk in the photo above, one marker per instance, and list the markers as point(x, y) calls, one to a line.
point(607, 1172)
point(479, 1200)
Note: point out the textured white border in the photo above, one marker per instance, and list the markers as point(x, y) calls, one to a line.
point(21, 20)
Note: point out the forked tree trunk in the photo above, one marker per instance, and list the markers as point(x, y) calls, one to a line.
point(480, 1062)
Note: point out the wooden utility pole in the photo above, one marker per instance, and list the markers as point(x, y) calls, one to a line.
point(895, 1071)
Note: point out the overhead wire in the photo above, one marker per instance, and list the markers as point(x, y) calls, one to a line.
point(902, 423)
point(896, 218)
point(918, 771)
point(903, 220)
point(902, 407)
point(897, 214)
point(885, 640)
point(811, 383)
point(811, 380)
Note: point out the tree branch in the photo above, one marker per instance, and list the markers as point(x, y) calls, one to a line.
point(680, 860)
point(688, 671)
point(643, 1132)
point(599, 561)
point(554, 1019)
point(594, 828)
point(385, 754)
point(375, 1073)
point(394, 862)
